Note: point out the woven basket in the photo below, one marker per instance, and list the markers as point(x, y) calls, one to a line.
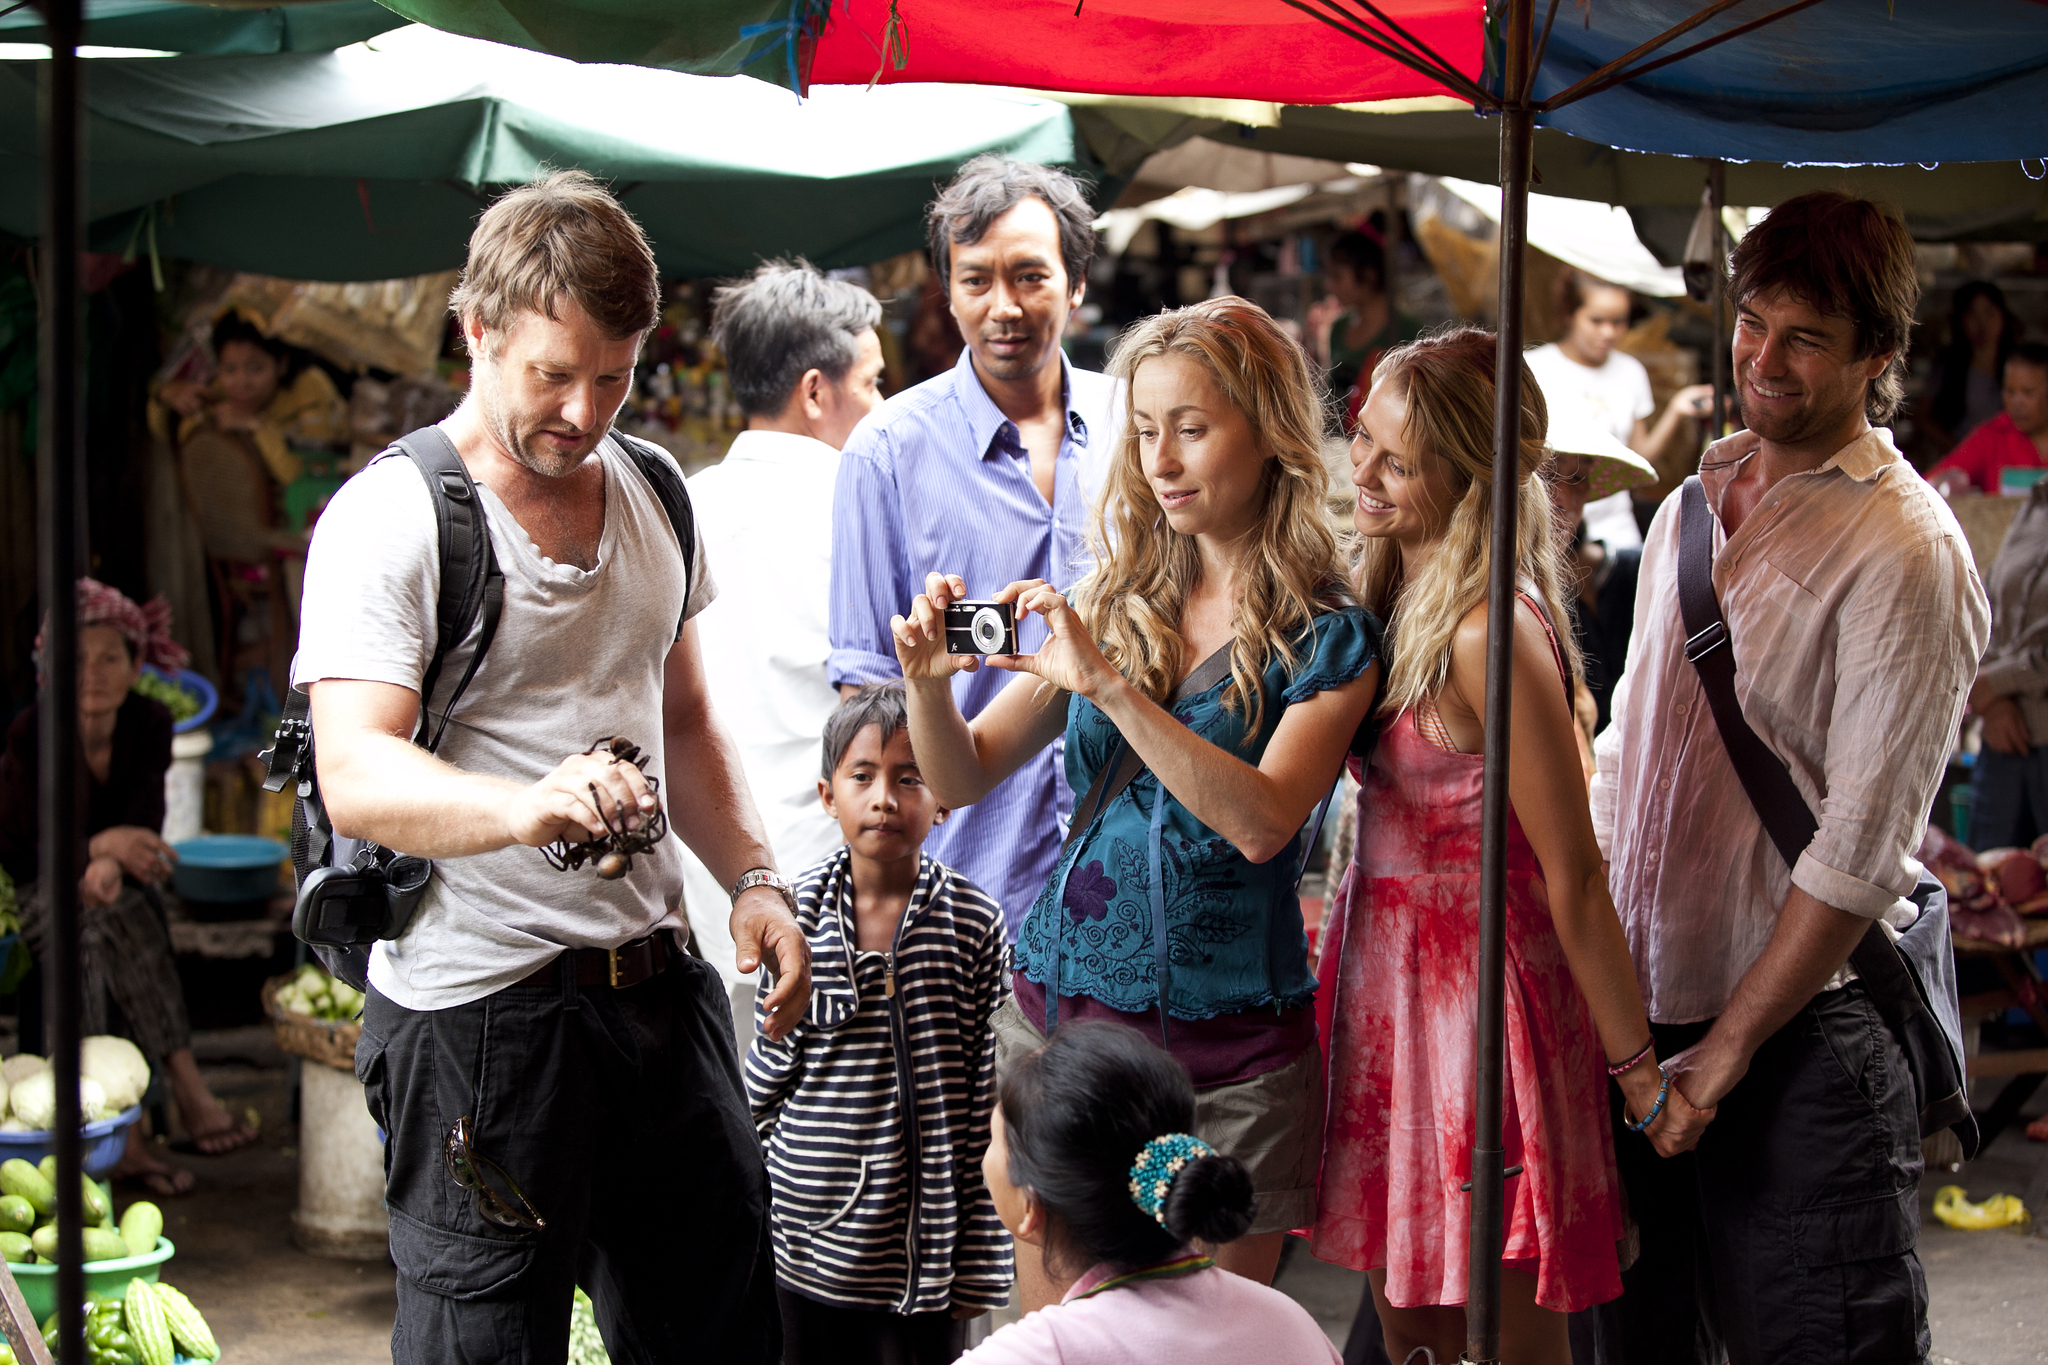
point(317, 1040)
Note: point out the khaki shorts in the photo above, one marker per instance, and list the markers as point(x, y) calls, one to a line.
point(1272, 1122)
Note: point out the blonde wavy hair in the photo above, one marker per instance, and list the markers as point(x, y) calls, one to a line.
point(1448, 380)
point(1290, 565)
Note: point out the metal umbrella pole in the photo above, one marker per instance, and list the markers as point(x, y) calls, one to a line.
point(59, 453)
point(1517, 135)
point(1717, 194)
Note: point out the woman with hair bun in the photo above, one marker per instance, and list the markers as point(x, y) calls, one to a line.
point(1398, 963)
point(1091, 1163)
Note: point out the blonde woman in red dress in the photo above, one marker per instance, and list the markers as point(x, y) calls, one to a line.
point(1399, 971)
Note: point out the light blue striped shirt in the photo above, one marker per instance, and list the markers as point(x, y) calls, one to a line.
point(937, 479)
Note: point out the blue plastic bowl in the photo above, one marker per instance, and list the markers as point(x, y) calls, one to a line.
point(228, 867)
point(209, 700)
point(103, 1140)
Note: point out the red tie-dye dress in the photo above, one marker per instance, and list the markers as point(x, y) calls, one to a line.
point(1397, 999)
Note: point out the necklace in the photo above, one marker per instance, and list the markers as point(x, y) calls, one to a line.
point(1165, 1270)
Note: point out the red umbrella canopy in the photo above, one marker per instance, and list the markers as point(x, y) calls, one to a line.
point(1241, 49)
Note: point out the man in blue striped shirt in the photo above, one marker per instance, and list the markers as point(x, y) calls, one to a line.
point(986, 471)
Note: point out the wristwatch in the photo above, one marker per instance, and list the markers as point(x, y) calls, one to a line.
point(768, 877)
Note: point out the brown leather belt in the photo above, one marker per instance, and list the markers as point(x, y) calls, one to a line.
point(614, 967)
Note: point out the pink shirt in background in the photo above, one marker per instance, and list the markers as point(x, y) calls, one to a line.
point(1210, 1317)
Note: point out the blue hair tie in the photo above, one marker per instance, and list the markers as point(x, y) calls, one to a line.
point(1158, 1163)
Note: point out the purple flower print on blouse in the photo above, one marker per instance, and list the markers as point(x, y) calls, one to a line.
point(1088, 891)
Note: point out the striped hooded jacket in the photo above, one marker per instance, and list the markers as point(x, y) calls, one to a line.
point(874, 1111)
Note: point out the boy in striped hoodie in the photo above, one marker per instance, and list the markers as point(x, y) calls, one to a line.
point(874, 1110)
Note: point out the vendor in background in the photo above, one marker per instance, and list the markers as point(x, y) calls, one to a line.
point(255, 392)
point(2011, 691)
point(130, 982)
point(1587, 464)
point(1963, 392)
point(1356, 324)
point(1586, 377)
point(2016, 438)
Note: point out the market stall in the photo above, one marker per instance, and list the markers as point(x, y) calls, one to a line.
point(1936, 91)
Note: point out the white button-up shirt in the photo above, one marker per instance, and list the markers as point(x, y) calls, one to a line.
point(1857, 620)
point(764, 514)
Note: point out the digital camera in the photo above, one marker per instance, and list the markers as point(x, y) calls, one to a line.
point(981, 628)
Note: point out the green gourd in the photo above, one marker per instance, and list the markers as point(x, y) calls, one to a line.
point(141, 1225)
point(144, 1317)
point(19, 1178)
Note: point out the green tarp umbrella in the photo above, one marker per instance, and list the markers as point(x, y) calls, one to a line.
point(170, 26)
point(373, 161)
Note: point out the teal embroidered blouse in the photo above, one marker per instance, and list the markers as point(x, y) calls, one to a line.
point(1234, 934)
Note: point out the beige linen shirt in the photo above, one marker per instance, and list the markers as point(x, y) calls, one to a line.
point(1857, 619)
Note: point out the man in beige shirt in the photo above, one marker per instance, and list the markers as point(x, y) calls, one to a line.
point(1857, 620)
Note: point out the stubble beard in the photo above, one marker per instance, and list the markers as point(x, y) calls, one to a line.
point(549, 464)
point(1809, 423)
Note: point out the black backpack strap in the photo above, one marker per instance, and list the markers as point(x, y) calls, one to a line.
point(667, 481)
point(471, 583)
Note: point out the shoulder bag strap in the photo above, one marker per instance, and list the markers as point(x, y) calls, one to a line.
point(1893, 987)
point(1764, 777)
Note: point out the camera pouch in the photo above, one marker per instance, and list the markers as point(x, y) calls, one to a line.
point(341, 911)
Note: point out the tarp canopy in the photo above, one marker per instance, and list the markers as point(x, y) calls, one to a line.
point(1847, 81)
point(171, 26)
point(373, 161)
point(2005, 199)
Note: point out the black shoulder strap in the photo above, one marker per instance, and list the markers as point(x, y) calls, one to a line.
point(1125, 765)
point(1930, 1036)
point(667, 482)
point(1783, 811)
point(471, 583)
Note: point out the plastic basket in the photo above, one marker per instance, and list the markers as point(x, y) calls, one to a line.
point(109, 1278)
point(103, 1141)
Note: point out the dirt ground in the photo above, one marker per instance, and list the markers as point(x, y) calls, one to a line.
point(270, 1303)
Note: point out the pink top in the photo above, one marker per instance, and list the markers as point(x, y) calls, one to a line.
point(1210, 1317)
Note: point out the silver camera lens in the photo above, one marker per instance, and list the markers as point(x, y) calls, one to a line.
point(986, 630)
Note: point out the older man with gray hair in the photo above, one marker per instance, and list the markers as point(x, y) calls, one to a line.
point(805, 363)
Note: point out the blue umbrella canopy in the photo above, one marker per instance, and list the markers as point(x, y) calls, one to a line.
point(1847, 82)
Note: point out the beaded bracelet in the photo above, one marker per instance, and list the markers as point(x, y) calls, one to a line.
point(1620, 1068)
point(1663, 1093)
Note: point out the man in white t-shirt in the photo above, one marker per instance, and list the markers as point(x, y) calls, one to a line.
point(534, 1036)
point(1584, 372)
point(805, 363)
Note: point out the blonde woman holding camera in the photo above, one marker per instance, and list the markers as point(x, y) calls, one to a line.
point(1399, 958)
point(1209, 677)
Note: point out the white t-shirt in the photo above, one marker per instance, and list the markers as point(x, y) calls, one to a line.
point(578, 657)
point(765, 515)
point(1614, 395)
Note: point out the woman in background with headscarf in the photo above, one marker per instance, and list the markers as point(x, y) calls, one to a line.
point(130, 981)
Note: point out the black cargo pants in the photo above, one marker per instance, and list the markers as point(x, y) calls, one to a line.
point(619, 1114)
point(1788, 1234)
